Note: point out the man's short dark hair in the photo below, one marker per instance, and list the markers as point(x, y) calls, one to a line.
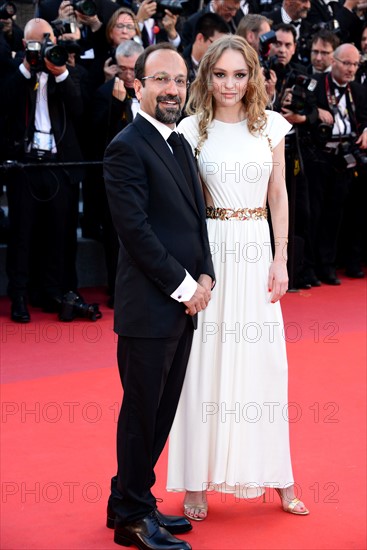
point(142, 59)
point(209, 23)
point(286, 27)
point(326, 36)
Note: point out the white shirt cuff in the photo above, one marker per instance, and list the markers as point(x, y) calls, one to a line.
point(175, 41)
point(24, 71)
point(186, 290)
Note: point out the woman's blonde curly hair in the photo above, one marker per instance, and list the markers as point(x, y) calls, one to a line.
point(201, 101)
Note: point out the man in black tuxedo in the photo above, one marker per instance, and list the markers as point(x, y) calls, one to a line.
point(342, 104)
point(164, 278)
point(43, 107)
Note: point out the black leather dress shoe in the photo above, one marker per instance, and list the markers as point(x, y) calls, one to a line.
point(19, 310)
point(354, 273)
point(328, 276)
point(147, 534)
point(174, 524)
point(330, 280)
point(303, 283)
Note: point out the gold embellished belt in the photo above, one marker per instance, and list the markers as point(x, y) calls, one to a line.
point(239, 214)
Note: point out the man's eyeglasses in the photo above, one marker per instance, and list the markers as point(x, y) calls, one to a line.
point(128, 27)
point(348, 64)
point(321, 52)
point(163, 80)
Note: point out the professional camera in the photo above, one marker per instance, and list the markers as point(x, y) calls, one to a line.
point(266, 61)
point(174, 6)
point(72, 306)
point(302, 87)
point(324, 133)
point(353, 155)
point(62, 26)
point(7, 10)
point(85, 7)
point(36, 52)
point(265, 40)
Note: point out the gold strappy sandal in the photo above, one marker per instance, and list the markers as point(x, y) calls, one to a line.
point(290, 507)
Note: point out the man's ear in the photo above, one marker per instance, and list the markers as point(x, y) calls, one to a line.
point(137, 87)
point(250, 37)
point(200, 37)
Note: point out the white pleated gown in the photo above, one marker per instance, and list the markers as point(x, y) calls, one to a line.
point(231, 429)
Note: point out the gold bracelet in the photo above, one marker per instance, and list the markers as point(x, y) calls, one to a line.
point(276, 238)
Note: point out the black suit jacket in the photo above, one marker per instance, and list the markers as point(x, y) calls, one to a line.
point(49, 9)
point(350, 24)
point(65, 106)
point(359, 94)
point(161, 229)
point(109, 116)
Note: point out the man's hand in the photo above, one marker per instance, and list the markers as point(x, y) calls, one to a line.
point(119, 90)
point(147, 9)
point(325, 116)
point(293, 118)
point(66, 10)
point(169, 22)
point(199, 300)
point(110, 71)
point(270, 84)
point(90, 21)
point(362, 140)
point(56, 71)
point(205, 281)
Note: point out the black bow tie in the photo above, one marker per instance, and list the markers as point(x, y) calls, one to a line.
point(296, 23)
point(341, 89)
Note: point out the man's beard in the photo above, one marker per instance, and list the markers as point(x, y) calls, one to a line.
point(168, 115)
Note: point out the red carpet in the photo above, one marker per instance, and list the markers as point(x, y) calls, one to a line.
point(60, 394)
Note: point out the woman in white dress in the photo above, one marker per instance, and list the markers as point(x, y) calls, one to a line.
point(231, 429)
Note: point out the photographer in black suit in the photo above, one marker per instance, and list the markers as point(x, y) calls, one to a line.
point(43, 101)
point(296, 103)
point(342, 124)
point(164, 278)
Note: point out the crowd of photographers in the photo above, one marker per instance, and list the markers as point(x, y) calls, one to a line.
point(67, 88)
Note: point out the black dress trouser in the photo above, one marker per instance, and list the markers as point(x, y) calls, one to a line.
point(41, 195)
point(152, 371)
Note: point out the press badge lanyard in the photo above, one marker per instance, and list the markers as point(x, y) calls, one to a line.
point(334, 102)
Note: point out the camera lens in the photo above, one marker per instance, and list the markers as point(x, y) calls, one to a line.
point(86, 7)
point(57, 55)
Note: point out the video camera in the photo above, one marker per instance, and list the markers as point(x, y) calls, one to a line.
point(266, 61)
point(36, 52)
point(174, 6)
point(7, 10)
point(301, 87)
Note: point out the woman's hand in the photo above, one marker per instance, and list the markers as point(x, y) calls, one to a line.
point(278, 280)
